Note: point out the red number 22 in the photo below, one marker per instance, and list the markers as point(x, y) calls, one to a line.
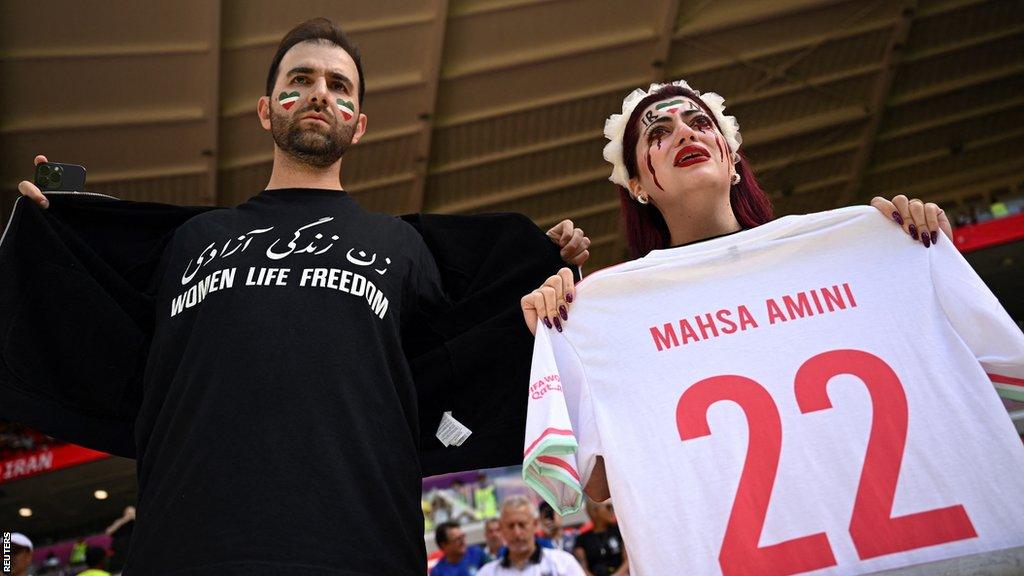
point(872, 528)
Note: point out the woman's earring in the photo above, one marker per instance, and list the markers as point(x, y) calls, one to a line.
point(642, 198)
point(735, 179)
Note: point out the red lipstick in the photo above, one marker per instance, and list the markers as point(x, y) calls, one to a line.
point(690, 155)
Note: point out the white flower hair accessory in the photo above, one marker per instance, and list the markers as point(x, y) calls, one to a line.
point(615, 127)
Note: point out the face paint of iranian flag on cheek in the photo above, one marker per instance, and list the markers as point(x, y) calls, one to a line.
point(347, 109)
point(288, 99)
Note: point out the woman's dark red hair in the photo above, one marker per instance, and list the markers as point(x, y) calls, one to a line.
point(645, 228)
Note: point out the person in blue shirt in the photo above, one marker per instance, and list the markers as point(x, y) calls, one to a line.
point(459, 560)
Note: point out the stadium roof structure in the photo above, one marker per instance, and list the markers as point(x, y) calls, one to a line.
point(498, 105)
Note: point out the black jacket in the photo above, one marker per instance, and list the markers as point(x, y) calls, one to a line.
point(76, 319)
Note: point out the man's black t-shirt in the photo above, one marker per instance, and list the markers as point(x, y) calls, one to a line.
point(603, 550)
point(278, 425)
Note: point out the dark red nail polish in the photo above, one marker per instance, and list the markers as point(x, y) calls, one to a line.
point(913, 232)
point(935, 237)
point(926, 240)
point(558, 325)
point(568, 297)
point(896, 216)
point(563, 313)
point(546, 322)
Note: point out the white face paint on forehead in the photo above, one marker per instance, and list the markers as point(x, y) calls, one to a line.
point(667, 108)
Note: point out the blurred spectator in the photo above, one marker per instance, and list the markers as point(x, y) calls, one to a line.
point(120, 533)
point(16, 439)
point(21, 554)
point(96, 561)
point(78, 552)
point(493, 542)
point(485, 498)
point(523, 556)
point(51, 561)
point(461, 493)
point(551, 528)
point(458, 559)
point(600, 550)
point(440, 509)
point(999, 209)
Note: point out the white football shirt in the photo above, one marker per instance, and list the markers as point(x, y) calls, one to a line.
point(812, 395)
point(548, 563)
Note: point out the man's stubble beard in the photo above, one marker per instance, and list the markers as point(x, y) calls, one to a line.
point(312, 146)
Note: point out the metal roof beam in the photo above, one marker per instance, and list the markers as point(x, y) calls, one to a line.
point(877, 106)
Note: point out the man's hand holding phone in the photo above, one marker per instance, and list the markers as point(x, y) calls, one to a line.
point(52, 176)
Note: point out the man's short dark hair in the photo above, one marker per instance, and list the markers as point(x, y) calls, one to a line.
point(95, 556)
point(546, 511)
point(320, 30)
point(441, 534)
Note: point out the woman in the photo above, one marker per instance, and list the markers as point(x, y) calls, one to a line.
point(719, 195)
point(681, 179)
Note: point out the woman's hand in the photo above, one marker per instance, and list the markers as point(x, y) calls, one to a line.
point(32, 191)
point(573, 243)
point(923, 221)
point(549, 303)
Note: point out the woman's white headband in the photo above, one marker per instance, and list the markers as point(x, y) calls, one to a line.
point(615, 127)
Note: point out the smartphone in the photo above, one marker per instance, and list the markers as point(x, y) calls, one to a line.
point(57, 176)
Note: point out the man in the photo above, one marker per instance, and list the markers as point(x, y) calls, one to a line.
point(551, 528)
point(600, 550)
point(259, 362)
point(459, 560)
point(524, 557)
point(96, 561)
point(78, 550)
point(120, 532)
point(493, 541)
point(21, 554)
point(484, 499)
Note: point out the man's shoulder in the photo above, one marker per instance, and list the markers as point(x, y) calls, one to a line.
point(490, 569)
point(582, 538)
point(560, 558)
point(559, 554)
point(475, 553)
point(211, 217)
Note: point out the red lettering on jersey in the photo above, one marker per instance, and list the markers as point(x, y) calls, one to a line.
point(774, 312)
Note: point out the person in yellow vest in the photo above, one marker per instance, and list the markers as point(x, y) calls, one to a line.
point(485, 499)
point(78, 552)
point(96, 560)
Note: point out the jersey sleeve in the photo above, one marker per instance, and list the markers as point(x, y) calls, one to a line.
point(558, 424)
point(979, 319)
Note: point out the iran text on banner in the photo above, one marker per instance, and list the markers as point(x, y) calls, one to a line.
point(818, 394)
point(46, 460)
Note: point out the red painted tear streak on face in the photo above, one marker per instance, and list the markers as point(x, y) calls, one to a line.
point(721, 150)
point(653, 173)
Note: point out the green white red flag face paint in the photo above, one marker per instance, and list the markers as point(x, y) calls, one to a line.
point(670, 107)
point(346, 108)
point(288, 99)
